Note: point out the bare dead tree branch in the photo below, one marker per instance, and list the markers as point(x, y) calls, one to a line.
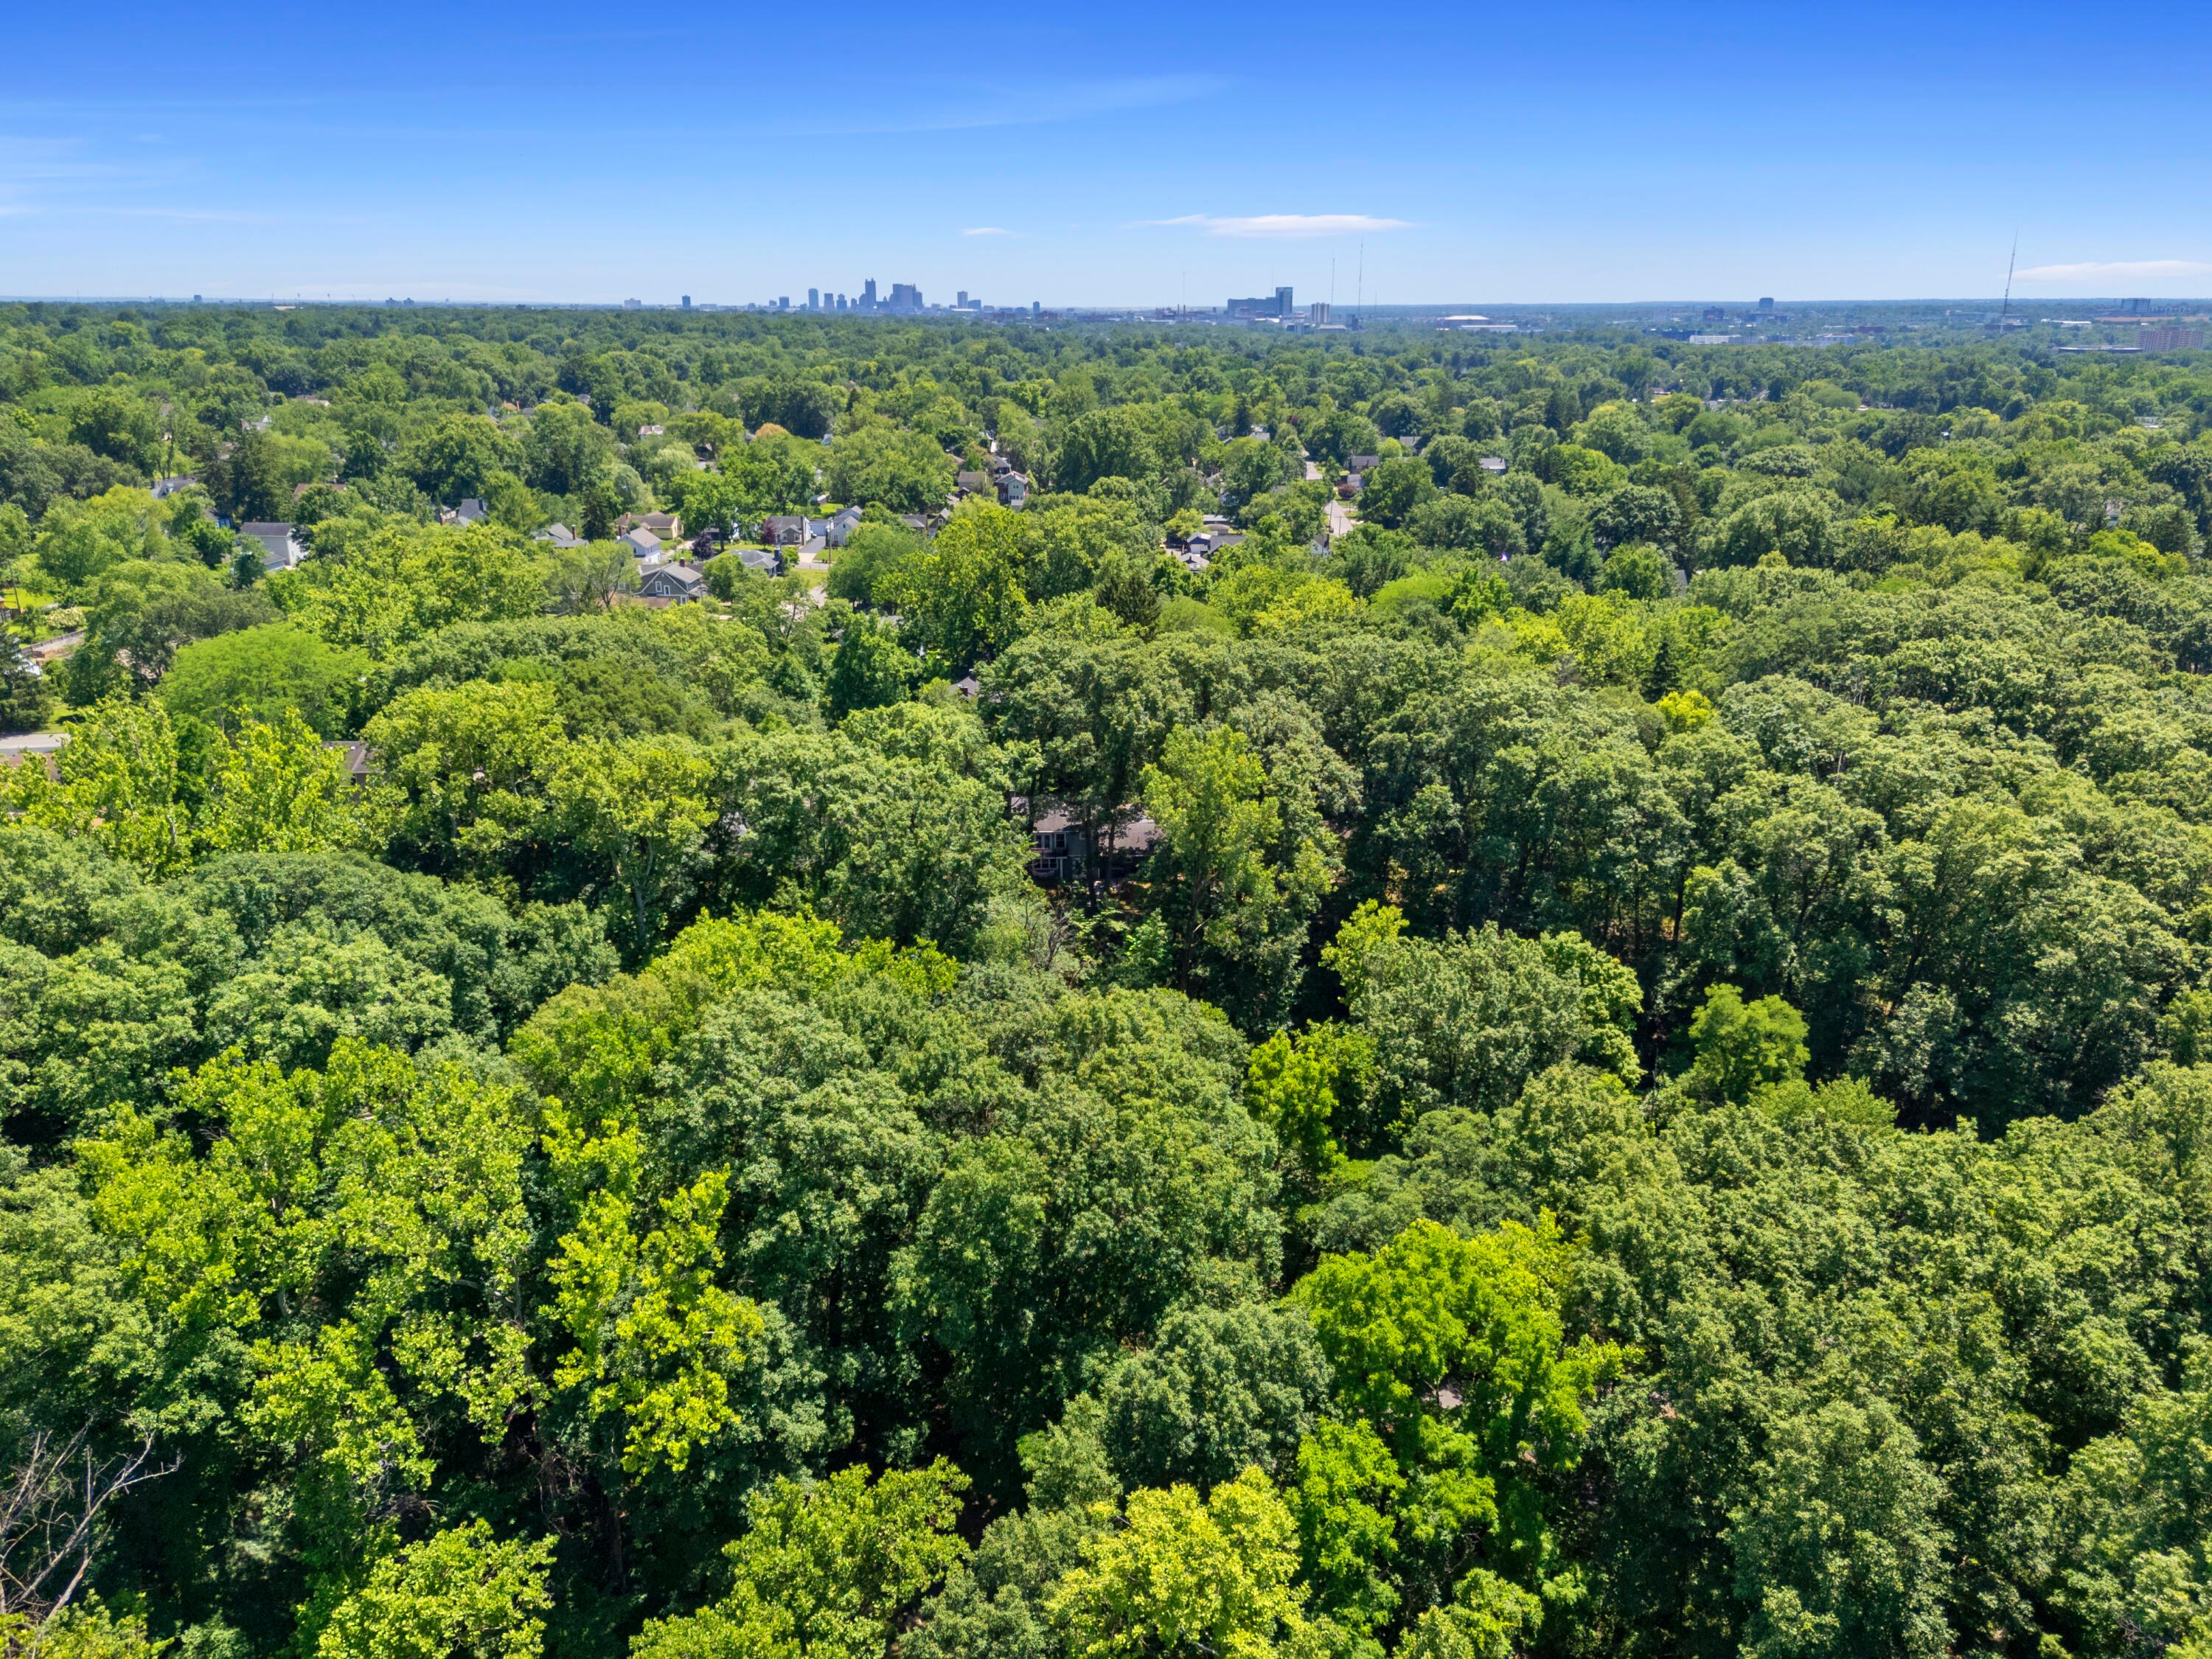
point(50, 1508)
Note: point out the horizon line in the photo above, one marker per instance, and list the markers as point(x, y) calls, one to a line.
point(303, 302)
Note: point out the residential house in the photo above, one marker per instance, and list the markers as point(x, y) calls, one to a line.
point(665, 526)
point(766, 560)
point(354, 756)
point(1208, 542)
point(1061, 849)
point(559, 536)
point(642, 542)
point(1013, 490)
point(1362, 463)
point(966, 484)
point(1494, 464)
point(811, 535)
point(20, 743)
point(280, 544)
point(164, 488)
point(671, 584)
point(471, 511)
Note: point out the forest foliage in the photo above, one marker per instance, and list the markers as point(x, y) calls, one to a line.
point(1650, 1092)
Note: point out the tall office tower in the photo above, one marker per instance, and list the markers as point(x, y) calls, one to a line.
point(1283, 306)
point(814, 299)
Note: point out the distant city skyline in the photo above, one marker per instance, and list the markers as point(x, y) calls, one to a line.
point(548, 154)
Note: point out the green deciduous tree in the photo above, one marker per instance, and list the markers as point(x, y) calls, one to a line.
point(965, 595)
point(1238, 875)
point(639, 808)
point(459, 1593)
point(827, 1571)
point(1182, 1575)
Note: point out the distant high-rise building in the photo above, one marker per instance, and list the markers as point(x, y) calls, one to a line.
point(1766, 302)
point(1317, 313)
point(905, 296)
point(687, 302)
point(1275, 305)
point(963, 301)
point(814, 299)
point(783, 302)
point(868, 295)
point(1036, 307)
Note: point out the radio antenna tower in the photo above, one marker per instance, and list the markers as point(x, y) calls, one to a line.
point(2006, 310)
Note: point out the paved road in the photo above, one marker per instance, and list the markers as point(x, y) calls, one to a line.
point(1340, 518)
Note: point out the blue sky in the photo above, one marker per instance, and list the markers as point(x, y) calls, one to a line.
point(1087, 157)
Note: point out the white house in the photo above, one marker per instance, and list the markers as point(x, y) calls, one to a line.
point(642, 542)
point(280, 544)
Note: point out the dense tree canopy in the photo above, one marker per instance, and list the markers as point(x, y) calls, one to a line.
point(1617, 1059)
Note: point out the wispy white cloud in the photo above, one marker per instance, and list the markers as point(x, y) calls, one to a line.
point(1287, 225)
point(2091, 270)
point(987, 230)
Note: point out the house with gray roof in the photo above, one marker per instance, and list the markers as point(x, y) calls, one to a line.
point(671, 583)
point(280, 544)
